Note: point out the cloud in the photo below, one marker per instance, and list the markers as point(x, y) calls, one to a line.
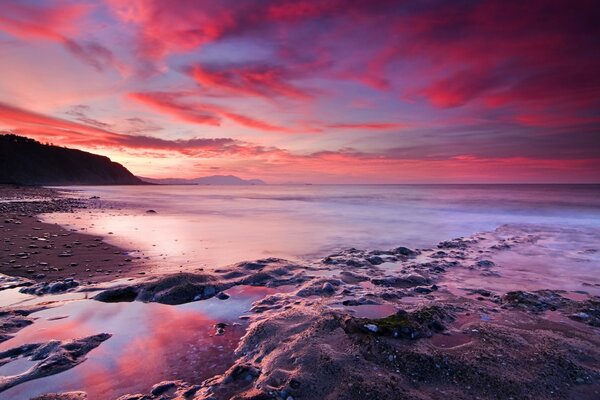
point(170, 103)
point(373, 126)
point(58, 22)
point(248, 80)
point(65, 132)
point(199, 113)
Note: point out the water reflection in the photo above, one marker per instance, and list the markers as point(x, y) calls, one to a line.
point(151, 342)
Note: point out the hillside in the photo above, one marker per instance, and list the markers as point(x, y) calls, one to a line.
point(206, 180)
point(28, 162)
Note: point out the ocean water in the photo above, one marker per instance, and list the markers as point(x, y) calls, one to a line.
point(211, 226)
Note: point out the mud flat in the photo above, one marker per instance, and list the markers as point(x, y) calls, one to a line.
point(450, 322)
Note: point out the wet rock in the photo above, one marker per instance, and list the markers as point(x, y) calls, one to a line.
point(361, 301)
point(220, 328)
point(173, 289)
point(222, 296)
point(319, 287)
point(417, 324)
point(485, 264)
point(162, 387)
point(407, 280)
point(536, 302)
point(588, 312)
point(150, 211)
point(350, 277)
point(480, 292)
point(375, 260)
point(405, 251)
point(62, 396)
point(329, 261)
point(53, 357)
point(242, 372)
point(327, 288)
point(176, 390)
point(53, 287)
point(117, 295)
point(13, 321)
point(454, 244)
point(422, 290)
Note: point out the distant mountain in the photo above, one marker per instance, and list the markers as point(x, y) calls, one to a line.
point(206, 180)
point(28, 162)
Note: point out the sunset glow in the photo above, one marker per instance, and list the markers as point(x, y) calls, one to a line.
point(311, 91)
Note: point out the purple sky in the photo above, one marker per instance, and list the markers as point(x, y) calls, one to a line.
point(311, 91)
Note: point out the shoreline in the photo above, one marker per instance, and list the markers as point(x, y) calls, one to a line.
point(362, 324)
point(43, 252)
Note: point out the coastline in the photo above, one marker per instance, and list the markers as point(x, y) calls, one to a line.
point(43, 252)
point(347, 326)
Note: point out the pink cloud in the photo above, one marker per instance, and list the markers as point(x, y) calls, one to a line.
point(248, 80)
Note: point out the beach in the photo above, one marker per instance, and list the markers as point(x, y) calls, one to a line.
point(497, 306)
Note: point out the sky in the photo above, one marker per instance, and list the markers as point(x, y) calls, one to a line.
point(294, 91)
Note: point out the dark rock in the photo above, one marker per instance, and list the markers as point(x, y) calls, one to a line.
point(42, 288)
point(375, 260)
point(536, 302)
point(422, 290)
point(485, 264)
point(404, 251)
point(62, 396)
point(54, 357)
point(117, 295)
point(401, 281)
point(162, 387)
point(421, 323)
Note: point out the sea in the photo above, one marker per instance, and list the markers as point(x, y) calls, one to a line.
point(212, 226)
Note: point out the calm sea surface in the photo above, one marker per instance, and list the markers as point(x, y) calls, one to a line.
point(218, 225)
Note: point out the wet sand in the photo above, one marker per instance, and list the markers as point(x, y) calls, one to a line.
point(47, 252)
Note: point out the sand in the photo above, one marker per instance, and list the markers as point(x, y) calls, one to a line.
point(45, 252)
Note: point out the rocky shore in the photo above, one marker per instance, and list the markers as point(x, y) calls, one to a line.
point(358, 324)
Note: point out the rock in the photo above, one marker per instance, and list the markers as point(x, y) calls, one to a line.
point(408, 280)
point(241, 372)
point(375, 260)
point(328, 288)
point(150, 211)
point(481, 292)
point(172, 289)
point(220, 328)
point(536, 302)
point(117, 295)
point(222, 296)
point(319, 287)
point(53, 357)
point(485, 264)
point(454, 244)
point(423, 322)
point(404, 251)
point(422, 290)
point(162, 387)
point(62, 396)
point(42, 288)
